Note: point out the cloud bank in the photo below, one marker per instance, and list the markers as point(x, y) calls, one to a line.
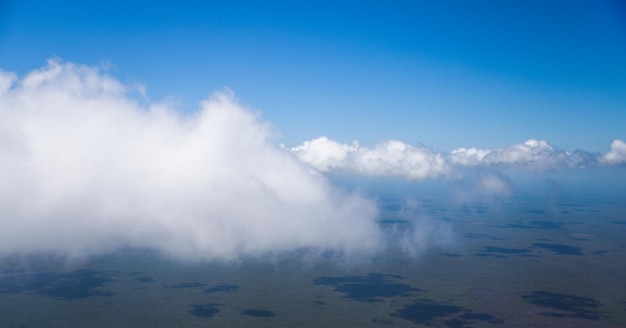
point(397, 159)
point(88, 165)
point(85, 168)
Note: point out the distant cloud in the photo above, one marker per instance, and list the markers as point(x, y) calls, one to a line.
point(617, 154)
point(86, 169)
point(395, 158)
point(391, 158)
point(324, 154)
point(532, 154)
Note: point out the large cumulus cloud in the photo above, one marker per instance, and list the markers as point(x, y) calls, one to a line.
point(86, 168)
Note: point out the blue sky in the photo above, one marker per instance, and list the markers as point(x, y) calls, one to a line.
point(447, 74)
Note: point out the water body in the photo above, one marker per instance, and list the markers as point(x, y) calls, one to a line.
point(523, 261)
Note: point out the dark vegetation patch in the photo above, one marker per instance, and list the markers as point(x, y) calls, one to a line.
point(223, 288)
point(15, 271)
point(498, 256)
point(599, 252)
point(569, 305)
point(423, 311)
point(494, 249)
point(474, 209)
point(192, 284)
point(60, 285)
point(502, 253)
point(319, 303)
point(535, 211)
point(381, 321)
point(145, 279)
point(473, 235)
point(369, 288)
point(541, 225)
point(477, 316)
point(205, 310)
point(618, 222)
point(392, 221)
point(578, 238)
point(392, 207)
point(589, 210)
point(580, 206)
point(258, 313)
point(452, 255)
point(559, 248)
point(469, 319)
point(430, 312)
point(569, 204)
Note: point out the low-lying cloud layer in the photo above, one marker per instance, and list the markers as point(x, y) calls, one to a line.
point(398, 159)
point(86, 169)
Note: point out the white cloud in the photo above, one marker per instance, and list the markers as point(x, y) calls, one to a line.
point(390, 158)
point(86, 169)
point(7, 79)
point(532, 154)
point(324, 154)
point(617, 154)
point(396, 158)
point(468, 156)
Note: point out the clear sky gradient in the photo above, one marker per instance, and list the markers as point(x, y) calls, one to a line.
point(445, 74)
